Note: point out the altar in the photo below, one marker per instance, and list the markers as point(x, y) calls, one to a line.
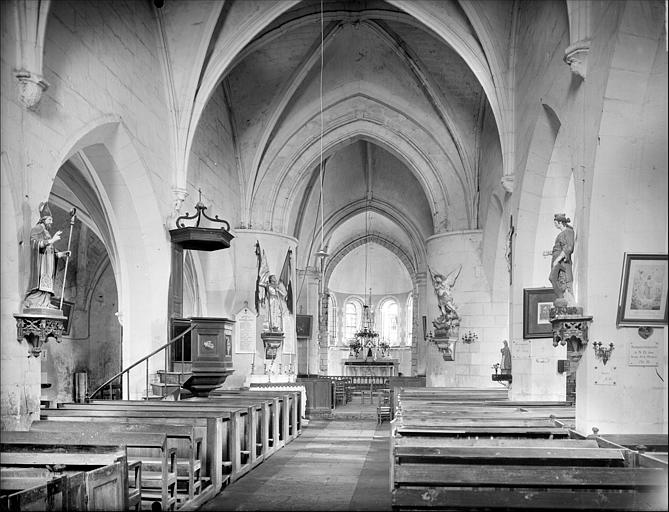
point(359, 367)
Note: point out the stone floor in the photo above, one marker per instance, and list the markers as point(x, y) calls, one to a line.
point(336, 464)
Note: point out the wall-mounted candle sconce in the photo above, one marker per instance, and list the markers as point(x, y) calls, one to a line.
point(602, 353)
point(469, 337)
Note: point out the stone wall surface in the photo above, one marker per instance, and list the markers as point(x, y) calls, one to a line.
point(629, 175)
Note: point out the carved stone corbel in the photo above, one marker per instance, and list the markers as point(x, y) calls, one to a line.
point(31, 87)
point(576, 55)
point(570, 327)
point(507, 183)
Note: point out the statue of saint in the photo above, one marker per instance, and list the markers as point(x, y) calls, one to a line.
point(43, 262)
point(506, 358)
point(276, 294)
point(561, 276)
point(443, 286)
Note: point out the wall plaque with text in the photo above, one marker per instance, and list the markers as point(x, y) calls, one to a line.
point(643, 355)
point(245, 332)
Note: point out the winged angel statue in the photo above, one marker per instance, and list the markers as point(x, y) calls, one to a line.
point(443, 287)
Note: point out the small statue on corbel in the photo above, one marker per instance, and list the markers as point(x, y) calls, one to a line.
point(570, 325)
point(40, 320)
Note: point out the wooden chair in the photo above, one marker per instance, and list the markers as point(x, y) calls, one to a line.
point(348, 389)
point(340, 392)
point(367, 392)
point(383, 409)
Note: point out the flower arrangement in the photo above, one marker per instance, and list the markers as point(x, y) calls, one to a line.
point(355, 346)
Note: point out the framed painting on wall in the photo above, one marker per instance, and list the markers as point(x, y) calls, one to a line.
point(303, 326)
point(537, 303)
point(643, 290)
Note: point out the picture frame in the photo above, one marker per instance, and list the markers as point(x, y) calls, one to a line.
point(303, 325)
point(67, 313)
point(536, 308)
point(643, 290)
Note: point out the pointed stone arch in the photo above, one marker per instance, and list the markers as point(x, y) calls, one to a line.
point(356, 242)
point(131, 227)
point(361, 117)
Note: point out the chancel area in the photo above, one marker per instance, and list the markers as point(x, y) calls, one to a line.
point(398, 254)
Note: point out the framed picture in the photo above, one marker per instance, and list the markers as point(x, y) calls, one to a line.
point(303, 326)
point(643, 290)
point(67, 312)
point(537, 303)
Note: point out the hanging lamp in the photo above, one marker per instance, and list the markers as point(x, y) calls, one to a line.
point(367, 339)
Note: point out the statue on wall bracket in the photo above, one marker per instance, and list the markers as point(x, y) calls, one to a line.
point(447, 324)
point(570, 325)
point(40, 320)
point(275, 295)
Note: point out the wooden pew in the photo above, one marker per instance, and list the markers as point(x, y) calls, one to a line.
point(297, 399)
point(643, 450)
point(223, 451)
point(290, 418)
point(467, 487)
point(278, 425)
point(256, 440)
point(30, 492)
point(455, 394)
point(188, 447)
point(462, 451)
point(101, 462)
point(251, 416)
point(292, 412)
point(32, 488)
point(156, 485)
point(636, 442)
point(242, 458)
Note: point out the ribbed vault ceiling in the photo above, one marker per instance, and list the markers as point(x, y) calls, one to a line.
point(393, 111)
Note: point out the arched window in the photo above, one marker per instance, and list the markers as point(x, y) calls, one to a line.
point(409, 320)
point(352, 312)
point(389, 322)
point(332, 320)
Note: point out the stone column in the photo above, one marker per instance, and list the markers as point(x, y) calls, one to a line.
point(323, 332)
point(420, 293)
point(478, 313)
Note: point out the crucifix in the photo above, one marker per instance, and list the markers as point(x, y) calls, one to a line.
point(508, 249)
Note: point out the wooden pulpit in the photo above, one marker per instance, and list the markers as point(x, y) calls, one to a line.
point(211, 354)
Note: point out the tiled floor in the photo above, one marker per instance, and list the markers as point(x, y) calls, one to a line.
point(333, 465)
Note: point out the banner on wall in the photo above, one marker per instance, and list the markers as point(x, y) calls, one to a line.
point(286, 279)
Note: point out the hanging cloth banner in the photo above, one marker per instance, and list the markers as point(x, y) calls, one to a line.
point(262, 277)
point(286, 279)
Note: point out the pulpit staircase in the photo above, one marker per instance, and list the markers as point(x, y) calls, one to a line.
point(164, 384)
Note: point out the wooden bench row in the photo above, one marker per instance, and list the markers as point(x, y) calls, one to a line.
point(211, 441)
point(68, 471)
point(454, 449)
